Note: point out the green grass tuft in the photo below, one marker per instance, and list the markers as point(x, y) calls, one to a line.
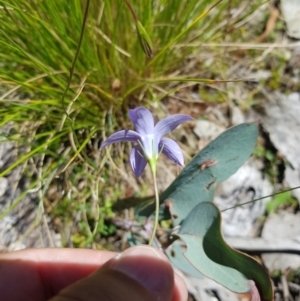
point(38, 42)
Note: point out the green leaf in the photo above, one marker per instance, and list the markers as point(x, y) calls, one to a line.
point(210, 255)
point(178, 259)
point(215, 163)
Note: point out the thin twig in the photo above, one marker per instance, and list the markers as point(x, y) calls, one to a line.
point(241, 45)
point(265, 197)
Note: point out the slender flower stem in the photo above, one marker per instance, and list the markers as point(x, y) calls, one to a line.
point(153, 170)
point(131, 10)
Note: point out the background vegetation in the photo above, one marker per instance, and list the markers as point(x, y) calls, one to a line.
point(58, 139)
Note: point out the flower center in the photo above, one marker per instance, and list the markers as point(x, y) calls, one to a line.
point(149, 148)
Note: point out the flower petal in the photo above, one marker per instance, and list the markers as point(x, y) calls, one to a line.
point(137, 160)
point(124, 135)
point(168, 124)
point(142, 120)
point(172, 150)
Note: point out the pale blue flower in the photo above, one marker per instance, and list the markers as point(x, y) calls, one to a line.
point(149, 139)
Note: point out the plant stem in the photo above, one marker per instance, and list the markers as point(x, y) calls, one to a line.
point(131, 10)
point(85, 16)
point(153, 170)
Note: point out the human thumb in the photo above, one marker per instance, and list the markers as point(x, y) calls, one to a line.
point(139, 273)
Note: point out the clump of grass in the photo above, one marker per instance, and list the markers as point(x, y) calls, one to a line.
point(38, 41)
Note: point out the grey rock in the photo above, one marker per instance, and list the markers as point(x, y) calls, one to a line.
point(3, 186)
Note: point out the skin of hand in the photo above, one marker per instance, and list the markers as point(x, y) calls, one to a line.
point(139, 273)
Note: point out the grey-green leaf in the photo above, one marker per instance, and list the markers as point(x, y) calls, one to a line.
point(211, 256)
point(215, 163)
point(177, 258)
